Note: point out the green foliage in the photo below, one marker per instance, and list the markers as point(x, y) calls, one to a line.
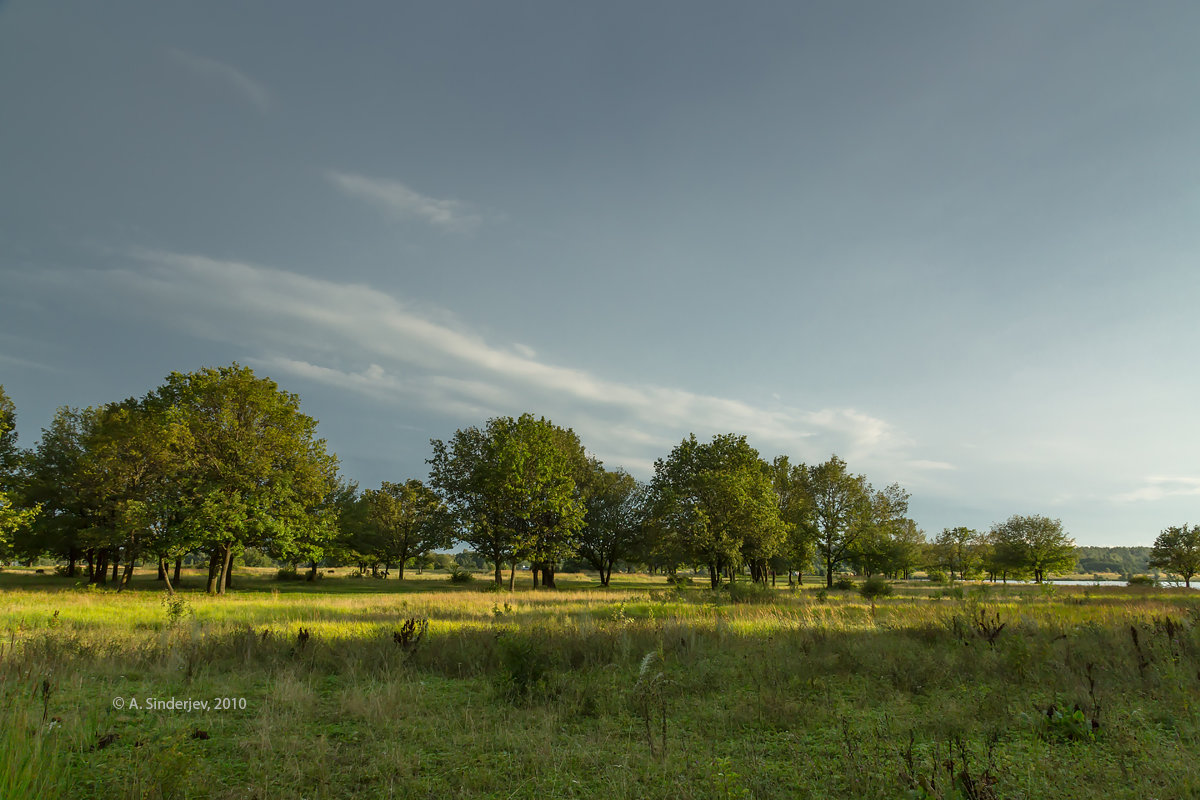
point(957, 551)
point(650, 701)
point(1142, 580)
point(288, 573)
point(1177, 551)
point(715, 504)
point(461, 576)
point(875, 586)
point(1056, 724)
point(841, 507)
point(526, 666)
point(1034, 543)
point(253, 472)
point(402, 521)
point(615, 524)
point(745, 592)
point(176, 607)
point(844, 584)
point(513, 488)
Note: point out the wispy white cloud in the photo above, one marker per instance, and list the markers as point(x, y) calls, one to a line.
point(921, 463)
point(397, 201)
point(215, 71)
point(23, 362)
point(360, 339)
point(1158, 487)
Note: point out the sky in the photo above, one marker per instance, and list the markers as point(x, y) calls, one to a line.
point(958, 244)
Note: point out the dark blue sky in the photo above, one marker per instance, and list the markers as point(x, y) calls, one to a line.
point(954, 243)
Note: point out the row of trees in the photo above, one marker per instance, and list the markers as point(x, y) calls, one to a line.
point(212, 461)
point(219, 460)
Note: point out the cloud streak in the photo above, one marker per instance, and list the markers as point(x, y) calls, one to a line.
point(1160, 487)
point(360, 339)
point(399, 202)
point(218, 72)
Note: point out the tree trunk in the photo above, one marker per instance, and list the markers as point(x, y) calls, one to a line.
point(512, 576)
point(162, 566)
point(712, 576)
point(213, 574)
point(178, 566)
point(91, 562)
point(400, 570)
point(127, 574)
point(829, 573)
point(72, 557)
point(162, 569)
point(534, 569)
point(116, 562)
point(224, 564)
point(229, 569)
point(100, 573)
point(548, 576)
point(499, 575)
point(312, 571)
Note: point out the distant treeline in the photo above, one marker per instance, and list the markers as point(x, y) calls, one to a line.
point(1122, 560)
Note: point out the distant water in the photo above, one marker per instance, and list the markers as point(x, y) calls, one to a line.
point(1164, 584)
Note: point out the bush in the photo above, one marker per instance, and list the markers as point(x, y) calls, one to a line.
point(1142, 580)
point(679, 580)
point(875, 586)
point(288, 573)
point(525, 666)
point(845, 584)
point(460, 575)
point(937, 576)
point(749, 592)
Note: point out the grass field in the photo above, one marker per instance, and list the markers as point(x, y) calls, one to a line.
point(639, 691)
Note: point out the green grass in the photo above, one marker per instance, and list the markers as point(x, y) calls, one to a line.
point(547, 694)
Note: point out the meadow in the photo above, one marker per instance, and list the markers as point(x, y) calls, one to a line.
point(430, 689)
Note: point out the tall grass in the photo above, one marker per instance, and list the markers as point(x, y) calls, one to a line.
point(752, 693)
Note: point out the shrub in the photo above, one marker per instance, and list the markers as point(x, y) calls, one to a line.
point(845, 584)
point(1142, 580)
point(936, 576)
point(749, 592)
point(525, 666)
point(875, 586)
point(460, 575)
point(679, 580)
point(288, 573)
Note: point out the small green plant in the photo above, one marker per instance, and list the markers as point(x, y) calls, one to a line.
point(1142, 580)
point(288, 573)
point(1064, 726)
point(988, 627)
point(650, 701)
point(844, 584)
point(525, 667)
point(411, 632)
point(936, 576)
point(725, 781)
point(176, 607)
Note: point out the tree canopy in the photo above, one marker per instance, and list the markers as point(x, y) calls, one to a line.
point(716, 501)
point(1177, 551)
